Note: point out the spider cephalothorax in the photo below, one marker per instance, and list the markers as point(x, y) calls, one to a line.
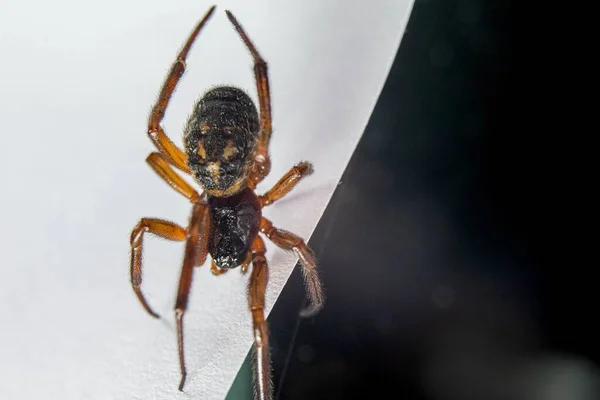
point(226, 151)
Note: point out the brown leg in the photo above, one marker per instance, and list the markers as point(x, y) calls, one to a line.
point(158, 227)
point(286, 183)
point(246, 263)
point(256, 296)
point(262, 161)
point(289, 241)
point(160, 165)
point(196, 251)
point(171, 152)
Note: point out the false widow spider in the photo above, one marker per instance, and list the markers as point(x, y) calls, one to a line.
point(226, 152)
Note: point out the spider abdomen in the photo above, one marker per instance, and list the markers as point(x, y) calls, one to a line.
point(220, 139)
point(234, 224)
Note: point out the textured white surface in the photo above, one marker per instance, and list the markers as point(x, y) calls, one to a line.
point(77, 82)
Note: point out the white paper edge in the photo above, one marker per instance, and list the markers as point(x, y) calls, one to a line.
point(76, 330)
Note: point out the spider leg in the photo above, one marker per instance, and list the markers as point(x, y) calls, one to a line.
point(262, 163)
point(160, 165)
point(165, 229)
point(246, 263)
point(172, 153)
point(196, 250)
point(286, 183)
point(256, 296)
point(289, 241)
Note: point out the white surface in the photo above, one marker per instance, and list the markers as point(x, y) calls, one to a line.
point(76, 85)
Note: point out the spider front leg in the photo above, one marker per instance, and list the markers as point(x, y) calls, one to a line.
point(289, 241)
point(160, 165)
point(262, 161)
point(172, 153)
point(256, 297)
point(165, 229)
point(196, 250)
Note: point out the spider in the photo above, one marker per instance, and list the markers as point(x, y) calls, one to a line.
point(226, 145)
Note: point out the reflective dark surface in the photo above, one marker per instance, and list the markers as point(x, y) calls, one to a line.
point(451, 253)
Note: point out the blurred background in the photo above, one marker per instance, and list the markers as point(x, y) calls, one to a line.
point(452, 253)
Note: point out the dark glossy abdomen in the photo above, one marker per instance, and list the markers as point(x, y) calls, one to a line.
point(235, 223)
point(220, 139)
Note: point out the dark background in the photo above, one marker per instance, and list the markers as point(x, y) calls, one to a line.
point(452, 253)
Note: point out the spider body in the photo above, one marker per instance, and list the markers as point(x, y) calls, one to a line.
point(235, 222)
point(226, 142)
point(220, 139)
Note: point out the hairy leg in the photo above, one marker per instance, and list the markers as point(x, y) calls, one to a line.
point(289, 241)
point(257, 287)
point(157, 135)
point(159, 227)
